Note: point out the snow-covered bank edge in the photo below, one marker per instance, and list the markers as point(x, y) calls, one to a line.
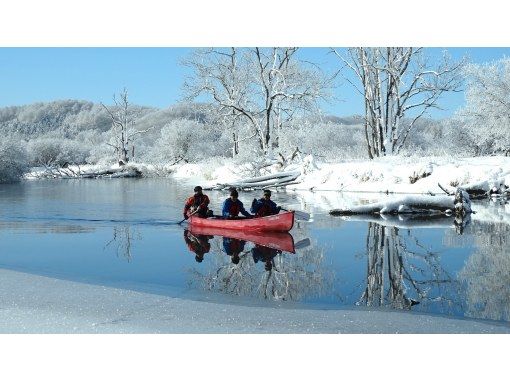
point(36, 304)
point(399, 175)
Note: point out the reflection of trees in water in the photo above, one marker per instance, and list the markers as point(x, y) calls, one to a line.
point(486, 274)
point(401, 271)
point(293, 276)
point(122, 241)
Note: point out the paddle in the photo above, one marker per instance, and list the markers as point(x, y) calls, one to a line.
point(193, 213)
point(302, 243)
point(301, 215)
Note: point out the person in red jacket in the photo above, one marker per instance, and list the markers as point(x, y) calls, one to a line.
point(199, 201)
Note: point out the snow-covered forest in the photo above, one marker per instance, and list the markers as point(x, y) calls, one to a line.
point(243, 104)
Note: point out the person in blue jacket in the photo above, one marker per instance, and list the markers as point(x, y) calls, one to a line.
point(232, 206)
point(264, 206)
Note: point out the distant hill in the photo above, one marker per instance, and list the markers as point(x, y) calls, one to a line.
point(69, 117)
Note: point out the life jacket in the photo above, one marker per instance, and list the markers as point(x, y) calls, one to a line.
point(198, 200)
point(234, 208)
point(265, 209)
point(194, 202)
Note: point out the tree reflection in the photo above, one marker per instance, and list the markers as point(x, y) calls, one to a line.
point(402, 272)
point(122, 241)
point(486, 274)
point(283, 276)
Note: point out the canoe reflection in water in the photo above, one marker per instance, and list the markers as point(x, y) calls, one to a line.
point(266, 244)
point(261, 265)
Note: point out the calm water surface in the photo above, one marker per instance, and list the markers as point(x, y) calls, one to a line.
point(123, 233)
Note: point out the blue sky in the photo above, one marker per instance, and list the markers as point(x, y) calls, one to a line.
point(154, 76)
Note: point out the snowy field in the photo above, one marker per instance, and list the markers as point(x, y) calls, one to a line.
point(36, 304)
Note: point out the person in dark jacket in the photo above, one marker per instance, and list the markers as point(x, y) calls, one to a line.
point(199, 201)
point(264, 206)
point(232, 206)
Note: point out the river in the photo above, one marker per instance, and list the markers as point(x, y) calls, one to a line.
point(124, 233)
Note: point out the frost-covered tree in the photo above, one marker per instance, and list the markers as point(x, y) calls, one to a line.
point(63, 118)
point(13, 159)
point(53, 151)
point(323, 139)
point(261, 88)
point(486, 116)
point(398, 86)
point(187, 140)
point(123, 117)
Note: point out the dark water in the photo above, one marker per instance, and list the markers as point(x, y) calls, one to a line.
point(123, 233)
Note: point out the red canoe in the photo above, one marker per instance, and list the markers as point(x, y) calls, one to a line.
point(282, 222)
point(271, 239)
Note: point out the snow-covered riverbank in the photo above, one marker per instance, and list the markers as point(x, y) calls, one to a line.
point(410, 175)
point(36, 304)
point(388, 174)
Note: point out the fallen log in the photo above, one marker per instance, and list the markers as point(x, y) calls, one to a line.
point(294, 173)
point(262, 182)
point(484, 189)
point(121, 172)
point(408, 205)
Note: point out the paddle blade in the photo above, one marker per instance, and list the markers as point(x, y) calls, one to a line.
point(301, 215)
point(302, 243)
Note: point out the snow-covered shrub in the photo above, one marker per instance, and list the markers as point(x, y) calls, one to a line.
point(49, 151)
point(13, 159)
point(101, 154)
point(326, 141)
point(187, 140)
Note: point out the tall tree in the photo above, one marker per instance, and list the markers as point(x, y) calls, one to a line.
point(123, 118)
point(260, 88)
point(398, 87)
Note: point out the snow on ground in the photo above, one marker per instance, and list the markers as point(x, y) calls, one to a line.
point(392, 174)
point(36, 304)
point(397, 174)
